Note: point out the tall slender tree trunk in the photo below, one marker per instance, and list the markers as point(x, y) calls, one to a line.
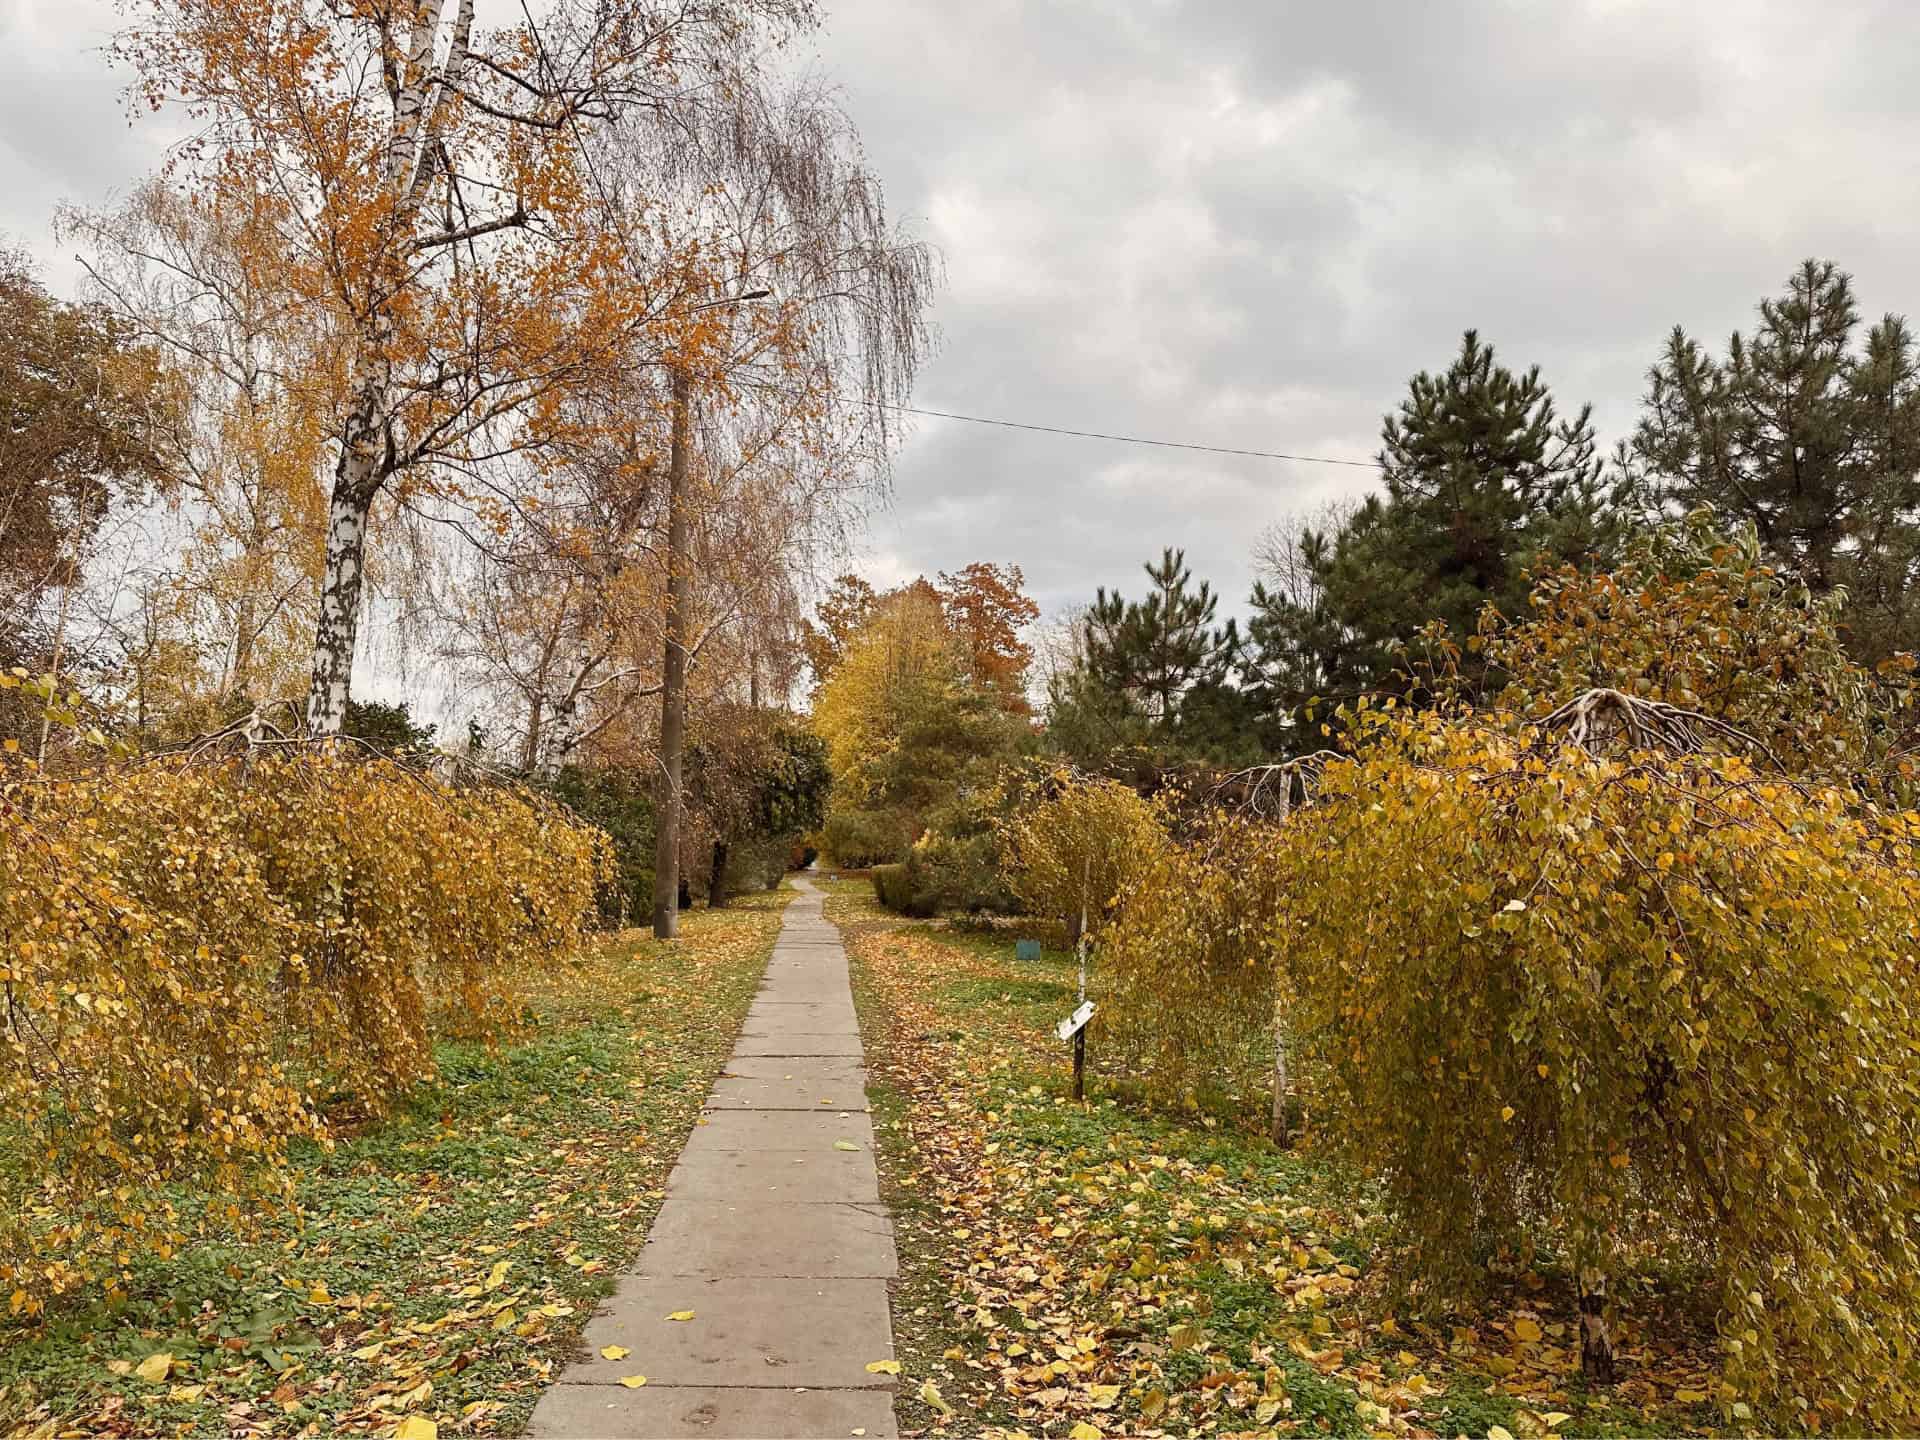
point(366, 443)
point(53, 671)
point(253, 549)
point(363, 468)
point(673, 688)
point(717, 878)
point(1280, 1131)
point(339, 623)
point(530, 748)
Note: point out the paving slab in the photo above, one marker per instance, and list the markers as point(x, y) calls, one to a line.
point(821, 1017)
point(681, 1412)
point(805, 1177)
point(821, 1083)
point(772, 1235)
point(753, 1332)
point(843, 1134)
point(789, 1067)
point(813, 1019)
point(794, 1043)
point(772, 1239)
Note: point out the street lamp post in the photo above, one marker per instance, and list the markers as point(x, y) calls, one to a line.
point(673, 678)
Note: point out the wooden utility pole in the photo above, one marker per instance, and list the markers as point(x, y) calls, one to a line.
point(673, 687)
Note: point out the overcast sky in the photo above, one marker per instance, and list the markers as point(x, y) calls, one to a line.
point(1246, 224)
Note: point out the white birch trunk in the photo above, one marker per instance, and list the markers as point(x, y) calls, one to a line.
point(339, 622)
point(366, 456)
point(1280, 1082)
point(1597, 1361)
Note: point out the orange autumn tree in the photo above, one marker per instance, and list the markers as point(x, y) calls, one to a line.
point(986, 610)
point(436, 205)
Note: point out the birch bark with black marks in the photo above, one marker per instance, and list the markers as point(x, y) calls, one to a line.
point(1597, 1361)
point(1281, 1084)
point(368, 457)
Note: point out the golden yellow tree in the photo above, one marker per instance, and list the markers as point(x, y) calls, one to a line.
point(240, 546)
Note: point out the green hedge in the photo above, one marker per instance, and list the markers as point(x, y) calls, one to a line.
point(901, 889)
point(859, 838)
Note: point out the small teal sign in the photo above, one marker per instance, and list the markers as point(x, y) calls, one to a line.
point(1026, 949)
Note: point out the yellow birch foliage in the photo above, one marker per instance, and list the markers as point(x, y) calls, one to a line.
point(1076, 842)
point(900, 656)
point(197, 959)
point(1635, 1002)
point(1695, 618)
point(1188, 986)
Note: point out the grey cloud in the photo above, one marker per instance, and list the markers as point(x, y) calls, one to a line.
point(1247, 222)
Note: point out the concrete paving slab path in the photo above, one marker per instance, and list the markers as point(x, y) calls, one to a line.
point(772, 1235)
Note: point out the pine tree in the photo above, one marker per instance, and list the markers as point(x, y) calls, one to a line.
point(1814, 441)
point(1153, 651)
point(1483, 481)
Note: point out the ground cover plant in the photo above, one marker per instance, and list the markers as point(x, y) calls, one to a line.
point(430, 1271)
point(1111, 1269)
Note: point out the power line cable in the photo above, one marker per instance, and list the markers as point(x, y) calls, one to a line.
point(1135, 439)
point(607, 208)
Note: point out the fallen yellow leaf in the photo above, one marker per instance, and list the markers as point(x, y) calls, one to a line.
point(1083, 1431)
point(614, 1352)
point(1499, 1432)
point(681, 1315)
point(417, 1427)
point(883, 1367)
point(318, 1295)
point(1526, 1330)
point(155, 1367)
point(930, 1395)
point(633, 1382)
point(845, 1145)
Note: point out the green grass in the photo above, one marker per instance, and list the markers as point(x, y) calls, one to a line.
point(544, 1156)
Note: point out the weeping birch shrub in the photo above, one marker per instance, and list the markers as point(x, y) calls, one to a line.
point(1074, 845)
point(1599, 1000)
point(203, 960)
point(1188, 987)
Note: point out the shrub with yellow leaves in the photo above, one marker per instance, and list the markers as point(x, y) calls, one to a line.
point(1188, 984)
point(1696, 618)
point(1622, 967)
point(198, 959)
point(1628, 1000)
point(1074, 844)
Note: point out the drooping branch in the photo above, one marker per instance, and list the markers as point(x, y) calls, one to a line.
point(1595, 716)
point(1267, 792)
